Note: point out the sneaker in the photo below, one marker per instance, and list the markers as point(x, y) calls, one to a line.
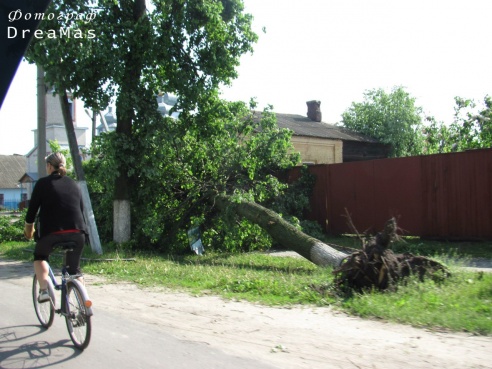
point(43, 296)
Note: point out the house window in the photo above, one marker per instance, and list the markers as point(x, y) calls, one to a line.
point(24, 197)
point(2, 200)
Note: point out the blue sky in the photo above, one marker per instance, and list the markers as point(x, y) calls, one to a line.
point(332, 51)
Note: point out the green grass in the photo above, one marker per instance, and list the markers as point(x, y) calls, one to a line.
point(462, 302)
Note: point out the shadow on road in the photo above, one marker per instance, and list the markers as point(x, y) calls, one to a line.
point(32, 353)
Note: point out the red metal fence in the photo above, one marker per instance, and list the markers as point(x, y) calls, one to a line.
point(442, 196)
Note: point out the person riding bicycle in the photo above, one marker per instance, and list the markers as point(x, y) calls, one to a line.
point(59, 201)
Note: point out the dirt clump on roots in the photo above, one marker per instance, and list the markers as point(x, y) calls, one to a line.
point(376, 266)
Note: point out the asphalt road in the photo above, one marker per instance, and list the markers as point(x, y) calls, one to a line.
point(116, 342)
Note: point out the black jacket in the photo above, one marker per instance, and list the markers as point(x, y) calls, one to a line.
point(59, 201)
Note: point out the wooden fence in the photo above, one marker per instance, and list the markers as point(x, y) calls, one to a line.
point(447, 196)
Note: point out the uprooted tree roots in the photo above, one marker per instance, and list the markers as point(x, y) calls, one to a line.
point(376, 266)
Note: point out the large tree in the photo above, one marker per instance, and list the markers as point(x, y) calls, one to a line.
point(106, 50)
point(392, 118)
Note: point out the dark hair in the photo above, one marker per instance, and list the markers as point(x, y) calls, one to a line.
point(58, 161)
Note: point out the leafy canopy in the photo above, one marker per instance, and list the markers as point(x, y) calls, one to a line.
point(392, 118)
point(183, 163)
point(180, 47)
point(470, 129)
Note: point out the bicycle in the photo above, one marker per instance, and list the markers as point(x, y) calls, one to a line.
point(75, 304)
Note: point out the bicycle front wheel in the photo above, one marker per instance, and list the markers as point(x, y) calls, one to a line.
point(78, 322)
point(45, 311)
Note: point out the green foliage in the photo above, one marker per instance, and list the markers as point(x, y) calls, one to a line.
point(182, 47)
point(12, 227)
point(472, 126)
point(391, 118)
point(470, 129)
point(394, 119)
point(294, 201)
point(210, 152)
point(226, 232)
point(222, 148)
point(437, 137)
point(223, 235)
point(99, 173)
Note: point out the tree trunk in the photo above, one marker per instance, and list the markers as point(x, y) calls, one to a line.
point(283, 232)
point(125, 107)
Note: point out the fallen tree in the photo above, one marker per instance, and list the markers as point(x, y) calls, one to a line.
point(283, 232)
point(374, 266)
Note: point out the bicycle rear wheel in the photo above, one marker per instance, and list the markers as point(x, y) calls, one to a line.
point(78, 322)
point(45, 311)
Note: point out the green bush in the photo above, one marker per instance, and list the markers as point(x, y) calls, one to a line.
point(239, 235)
point(12, 228)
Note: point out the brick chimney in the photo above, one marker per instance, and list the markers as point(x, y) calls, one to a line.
point(314, 111)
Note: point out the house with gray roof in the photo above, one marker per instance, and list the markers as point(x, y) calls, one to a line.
point(12, 192)
point(323, 143)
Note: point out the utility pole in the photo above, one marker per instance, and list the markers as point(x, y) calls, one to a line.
point(41, 91)
point(77, 163)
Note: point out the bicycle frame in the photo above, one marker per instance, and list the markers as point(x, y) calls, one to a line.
point(64, 306)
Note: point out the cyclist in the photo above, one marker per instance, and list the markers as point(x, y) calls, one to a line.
point(59, 201)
